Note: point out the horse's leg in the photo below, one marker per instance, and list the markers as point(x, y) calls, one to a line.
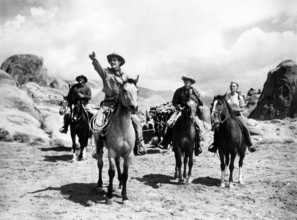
point(100, 166)
point(82, 142)
point(240, 164)
point(185, 166)
point(177, 158)
point(125, 178)
point(72, 132)
point(180, 163)
point(99, 150)
point(231, 168)
point(117, 161)
point(189, 180)
point(111, 174)
point(223, 168)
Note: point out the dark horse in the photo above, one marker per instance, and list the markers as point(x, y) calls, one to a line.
point(79, 126)
point(183, 142)
point(229, 137)
point(120, 139)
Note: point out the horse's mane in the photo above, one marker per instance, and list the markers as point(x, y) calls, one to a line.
point(223, 99)
point(130, 80)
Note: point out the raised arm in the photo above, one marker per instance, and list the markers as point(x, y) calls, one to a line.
point(97, 66)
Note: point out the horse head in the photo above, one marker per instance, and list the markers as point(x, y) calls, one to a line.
point(220, 111)
point(129, 94)
point(190, 110)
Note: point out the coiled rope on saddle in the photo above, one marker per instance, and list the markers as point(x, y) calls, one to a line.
point(99, 125)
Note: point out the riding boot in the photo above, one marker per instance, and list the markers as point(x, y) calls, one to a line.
point(64, 129)
point(249, 143)
point(139, 148)
point(198, 149)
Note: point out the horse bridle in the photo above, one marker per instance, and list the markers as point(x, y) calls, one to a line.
point(219, 113)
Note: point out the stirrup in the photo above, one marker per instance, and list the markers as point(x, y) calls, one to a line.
point(63, 130)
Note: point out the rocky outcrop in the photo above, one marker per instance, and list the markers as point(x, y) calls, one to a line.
point(279, 96)
point(6, 79)
point(43, 95)
point(26, 68)
point(59, 84)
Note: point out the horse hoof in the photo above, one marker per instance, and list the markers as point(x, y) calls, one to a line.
point(189, 180)
point(108, 201)
point(231, 185)
point(222, 185)
point(182, 181)
point(240, 182)
point(126, 202)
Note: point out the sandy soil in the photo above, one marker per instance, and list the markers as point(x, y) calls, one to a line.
point(41, 182)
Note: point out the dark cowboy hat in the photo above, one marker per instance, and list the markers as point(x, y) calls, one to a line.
point(189, 77)
point(82, 77)
point(117, 56)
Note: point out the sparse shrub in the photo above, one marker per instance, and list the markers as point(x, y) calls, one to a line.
point(5, 136)
point(289, 141)
point(56, 143)
point(20, 137)
point(36, 141)
point(292, 127)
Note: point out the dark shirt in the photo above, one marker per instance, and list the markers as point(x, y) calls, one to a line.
point(73, 96)
point(182, 95)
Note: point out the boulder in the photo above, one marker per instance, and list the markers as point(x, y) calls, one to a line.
point(26, 68)
point(14, 98)
point(205, 113)
point(279, 96)
point(43, 95)
point(59, 84)
point(6, 79)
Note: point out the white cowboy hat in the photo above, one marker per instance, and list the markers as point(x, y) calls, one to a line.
point(117, 56)
point(189, 77)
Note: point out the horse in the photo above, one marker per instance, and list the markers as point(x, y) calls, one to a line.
point(120, 139)
point(79, 126)
point(183, 142)
point(229, 136)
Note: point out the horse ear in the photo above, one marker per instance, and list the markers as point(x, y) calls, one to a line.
point(136, 80)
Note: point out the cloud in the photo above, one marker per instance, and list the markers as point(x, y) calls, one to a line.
point(217, 41)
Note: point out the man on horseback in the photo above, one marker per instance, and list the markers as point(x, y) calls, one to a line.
point(180, 98)
point(79, 92)
point(112, 78)
point(236, 101)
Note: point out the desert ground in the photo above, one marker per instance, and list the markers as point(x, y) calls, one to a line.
point(40, 181)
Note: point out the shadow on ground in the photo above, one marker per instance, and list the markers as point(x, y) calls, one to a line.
point(57, 149)
point(207, 181)
point(85, 194)
point(56, 158)
point(154, 180)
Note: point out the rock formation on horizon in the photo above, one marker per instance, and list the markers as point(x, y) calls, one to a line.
point(26, 68)
point(279, 96)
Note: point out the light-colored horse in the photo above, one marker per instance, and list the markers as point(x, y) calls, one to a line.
point(120, 140)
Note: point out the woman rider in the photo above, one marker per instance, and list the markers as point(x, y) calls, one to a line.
point(236, 101)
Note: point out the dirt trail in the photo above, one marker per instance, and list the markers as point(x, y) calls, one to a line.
point(40, 182)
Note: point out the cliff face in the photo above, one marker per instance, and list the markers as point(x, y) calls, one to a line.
point(279, 96)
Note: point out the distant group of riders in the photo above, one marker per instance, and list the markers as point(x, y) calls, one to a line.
point(113, 77)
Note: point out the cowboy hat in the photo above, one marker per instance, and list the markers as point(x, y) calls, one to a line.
point(82, 77)
point(117, 56)
point(189, 77)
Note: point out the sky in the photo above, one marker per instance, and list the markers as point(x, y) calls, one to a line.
point(216, 42)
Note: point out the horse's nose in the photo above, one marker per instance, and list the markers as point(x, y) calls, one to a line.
point(134, 108)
